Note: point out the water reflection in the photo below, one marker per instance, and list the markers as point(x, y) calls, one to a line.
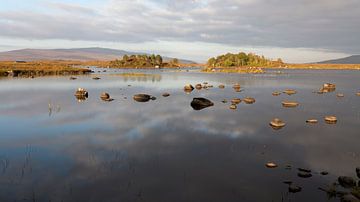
point(163, 150)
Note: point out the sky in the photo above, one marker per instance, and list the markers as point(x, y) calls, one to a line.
point(294, 30)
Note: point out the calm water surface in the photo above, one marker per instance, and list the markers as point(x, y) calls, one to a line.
point(163, 150)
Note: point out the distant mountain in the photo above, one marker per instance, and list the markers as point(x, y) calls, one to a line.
point(79, 54)
point(354, 59)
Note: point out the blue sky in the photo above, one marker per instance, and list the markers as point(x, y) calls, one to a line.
point(297, 31)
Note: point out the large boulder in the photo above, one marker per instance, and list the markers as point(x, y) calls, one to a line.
point(201, 103)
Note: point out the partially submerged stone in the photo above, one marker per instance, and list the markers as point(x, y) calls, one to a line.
point(327, 88)
point(313, 121)
point(291, 104)
point(106, 97)
point(249, 100)
point(224, 101)
point(142, 97)
point(72, 78)
point(294, 189)
point(198, 86)
point(221, 86)
point(290, 91)
point(304, 174)
point(358, 172)
point(96, 78)
point(166, 94)
point(276, 93)
point(81, 94)
point(277, 124)
point(233, 106)
point(340, 95)
point(188, 88)
point(201, 103)
point(235, 101)
point(271, 165)
point(237, 87)
point(330, 119)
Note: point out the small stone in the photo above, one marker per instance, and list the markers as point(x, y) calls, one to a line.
point(166, 94)
point(276, 93)
point(233, 106)
point(313, 121)
point(330, 119)
point(271, 165)
point(277, 124)
point(153, 98)
point(290, 104)
point(249, 100)
point(304, 175)
point(340, 95)
point(347, 182)
point(96, 78)
point(235, 101)
point(294, 189)
point(324, 173)
point(188, 88)
point(198, 86)
point(221, 86)
point(73, 78)
point(106, 97)
point(290, 91)
point(224, 101)
point(142, 97)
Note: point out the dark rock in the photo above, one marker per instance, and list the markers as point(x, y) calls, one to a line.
point(358, 172)
point(96, 78)
point(347, 182)
point(166, 94)
point(287, 182)
point(73, 78)
point(153, 98)
point(294, 189)
point(304, 170)
point(304, 175)
point(201, 103)
point(324, 173)
point(142, 97)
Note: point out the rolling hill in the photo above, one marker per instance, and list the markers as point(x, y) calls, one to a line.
point(354, 59)
point(78, 54)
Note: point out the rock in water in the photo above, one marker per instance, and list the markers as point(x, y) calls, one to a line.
point(276, 93)
point(235, 101)
point(249, 100)
point(358, 172)
point(313, 121)
point(290, 104)
point(166, 94)
point(188, 88)
point(104, 96)
point(330, 119)
point(233, 106)
point(294, 189)
point(201, 103)
point(271, 165)
point(347, 182)
point(222, 86)
point(142, 97)
point(277, 124)
point(198, 86)
point(290, 91)
point(304, 174)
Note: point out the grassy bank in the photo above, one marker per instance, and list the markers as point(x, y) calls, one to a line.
point(40, 68)
point(320, 66)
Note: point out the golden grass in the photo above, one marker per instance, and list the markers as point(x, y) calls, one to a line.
point(320, 66)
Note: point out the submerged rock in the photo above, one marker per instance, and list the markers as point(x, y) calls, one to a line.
point(249, 100)
point(277, 124)
point(347, 182)
point(142, 97)
point(294, 189)
point(201, 103)
point(330, 119)
point(340, 95)
point(291, 104)
point(290, 91)
point(304, 174)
